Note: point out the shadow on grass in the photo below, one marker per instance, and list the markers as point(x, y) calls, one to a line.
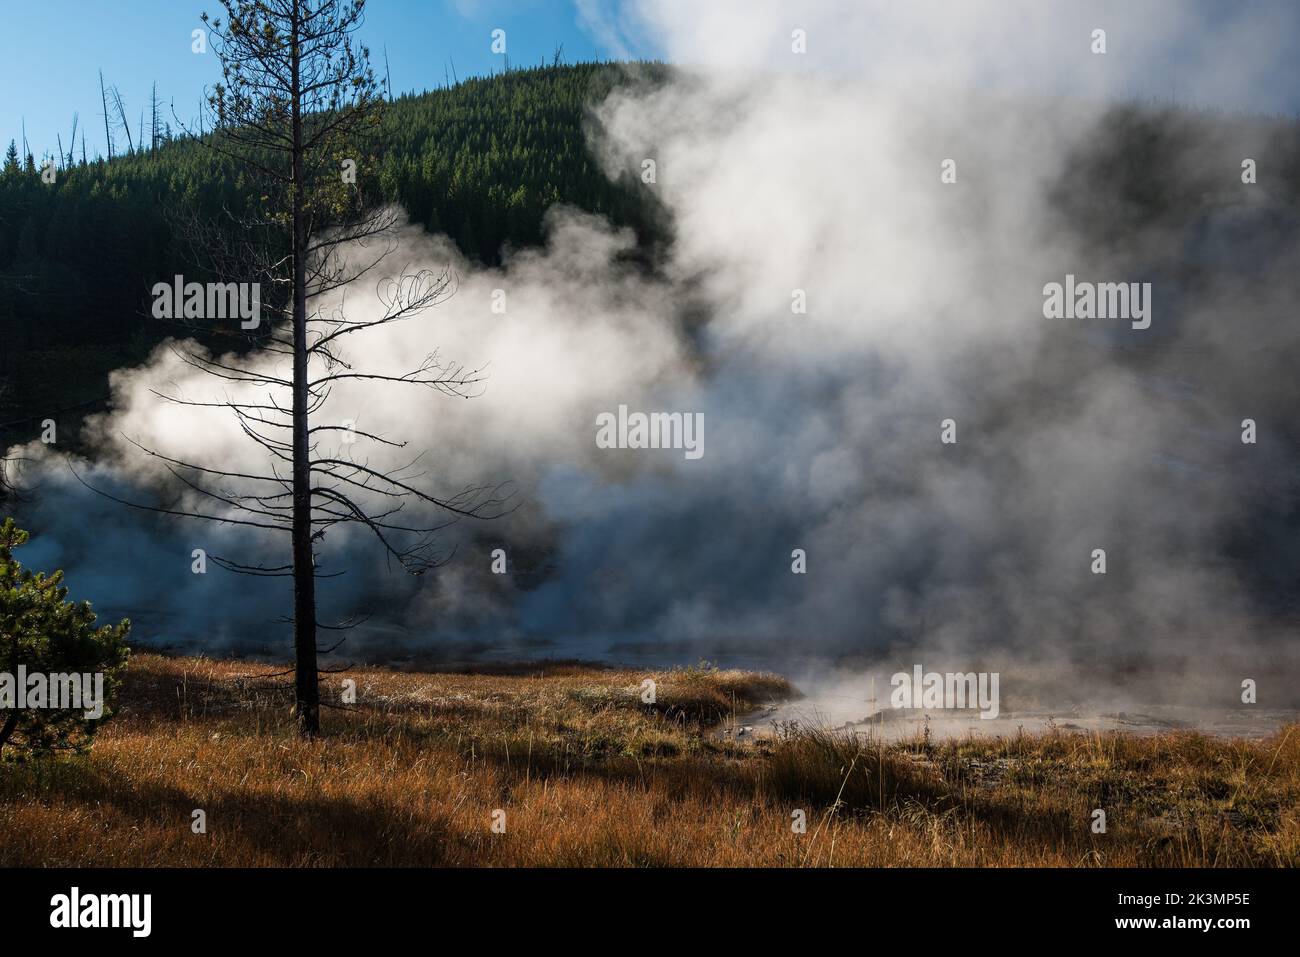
point(244, 829)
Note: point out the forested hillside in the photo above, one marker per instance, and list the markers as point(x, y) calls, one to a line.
point(480, 161)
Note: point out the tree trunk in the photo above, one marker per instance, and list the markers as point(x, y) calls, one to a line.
point(10, 723)
point(306, 679)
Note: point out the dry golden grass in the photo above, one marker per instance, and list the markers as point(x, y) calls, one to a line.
point(589, 776)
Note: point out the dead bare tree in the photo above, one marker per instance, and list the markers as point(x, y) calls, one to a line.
point(297, 93)
point(121, 118)
point(153, 119)
point(103, 100)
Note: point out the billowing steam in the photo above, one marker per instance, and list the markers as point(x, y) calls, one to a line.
point(815, 178)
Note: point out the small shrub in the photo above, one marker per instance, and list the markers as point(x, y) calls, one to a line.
point(43, 631)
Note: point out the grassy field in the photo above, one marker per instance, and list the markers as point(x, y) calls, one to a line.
point(588, 775)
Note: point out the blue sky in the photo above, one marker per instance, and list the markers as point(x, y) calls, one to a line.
point(50, 61)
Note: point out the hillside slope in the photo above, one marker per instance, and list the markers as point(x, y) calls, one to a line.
point(481, 162)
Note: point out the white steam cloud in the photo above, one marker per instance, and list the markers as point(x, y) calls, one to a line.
point(817, 172)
